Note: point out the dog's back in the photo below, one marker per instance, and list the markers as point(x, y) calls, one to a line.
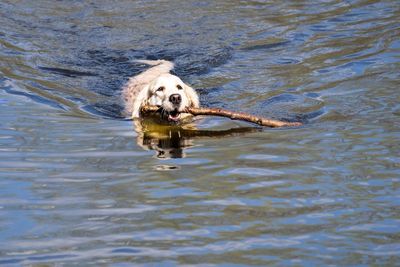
point(135, 84)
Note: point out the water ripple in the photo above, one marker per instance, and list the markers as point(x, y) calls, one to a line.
point(79, 185)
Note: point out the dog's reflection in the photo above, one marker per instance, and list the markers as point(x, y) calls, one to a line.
point(170, 141)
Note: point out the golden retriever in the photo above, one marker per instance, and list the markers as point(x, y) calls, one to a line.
point(157, 86)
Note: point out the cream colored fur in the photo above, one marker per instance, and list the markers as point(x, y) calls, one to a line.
point(154, 87)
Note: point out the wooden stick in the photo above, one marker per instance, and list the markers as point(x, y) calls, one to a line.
point(229, 114)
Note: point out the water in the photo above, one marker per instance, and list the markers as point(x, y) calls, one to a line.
point(79, 186)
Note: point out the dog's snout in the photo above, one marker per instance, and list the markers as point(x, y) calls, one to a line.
point(175, 99)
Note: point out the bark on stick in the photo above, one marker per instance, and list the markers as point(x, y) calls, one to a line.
point(229, 114)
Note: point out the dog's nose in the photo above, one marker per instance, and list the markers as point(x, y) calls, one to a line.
point(175, 99)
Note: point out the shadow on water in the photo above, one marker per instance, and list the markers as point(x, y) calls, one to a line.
point(67, 72)
point(114, 67)
point(170, 141)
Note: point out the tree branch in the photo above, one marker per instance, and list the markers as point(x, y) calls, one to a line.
point(228, 114)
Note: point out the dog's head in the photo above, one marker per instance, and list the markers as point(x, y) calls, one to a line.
point(170, 93)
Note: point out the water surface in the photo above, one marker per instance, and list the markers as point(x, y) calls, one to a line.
point(80, 186)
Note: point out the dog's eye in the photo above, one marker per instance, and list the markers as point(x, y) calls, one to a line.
point(179, 87)
point(160, 89)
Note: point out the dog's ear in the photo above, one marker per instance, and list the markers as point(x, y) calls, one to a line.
point(192, 96)
point(140, 101)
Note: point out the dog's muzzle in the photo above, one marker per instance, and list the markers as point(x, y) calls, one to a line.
point(176, 100)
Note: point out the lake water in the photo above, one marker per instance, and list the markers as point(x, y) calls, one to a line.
point(79, 186)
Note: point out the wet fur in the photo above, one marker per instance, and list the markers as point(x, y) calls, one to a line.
point(142, 89)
